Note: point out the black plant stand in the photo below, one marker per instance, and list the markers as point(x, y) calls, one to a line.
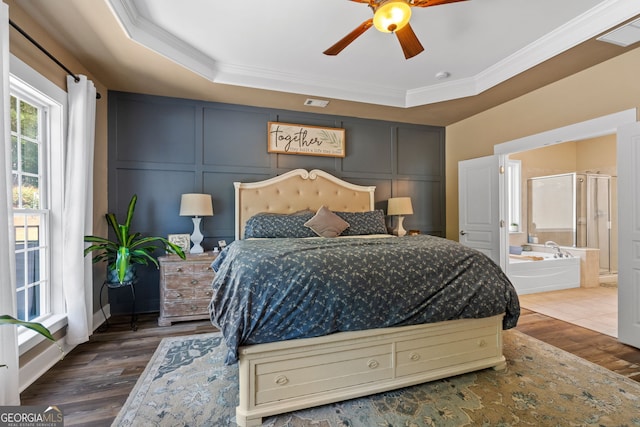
point(134, 316)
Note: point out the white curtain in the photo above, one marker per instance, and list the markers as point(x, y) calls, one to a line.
point(78, 208)
point(8, 336)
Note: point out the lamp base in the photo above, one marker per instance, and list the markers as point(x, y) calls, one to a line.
point(400, 231)
point(196, 237)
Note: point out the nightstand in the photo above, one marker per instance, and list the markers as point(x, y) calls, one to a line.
point(185, 287)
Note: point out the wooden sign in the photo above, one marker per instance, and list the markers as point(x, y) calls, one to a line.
point(289, 138)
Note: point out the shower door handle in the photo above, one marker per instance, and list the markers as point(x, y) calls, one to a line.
point(462, 232)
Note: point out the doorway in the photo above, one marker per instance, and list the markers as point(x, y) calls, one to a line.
point(552, 148)
point(563, 199)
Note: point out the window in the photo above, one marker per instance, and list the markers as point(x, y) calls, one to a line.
point(30, 206)
point(514, 191)
point(37, 142)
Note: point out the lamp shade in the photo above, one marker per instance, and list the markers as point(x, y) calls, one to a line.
point(194, 204)
point(400, 206)
point(391, 15)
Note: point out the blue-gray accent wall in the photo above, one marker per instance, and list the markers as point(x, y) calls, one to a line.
point(160, 148)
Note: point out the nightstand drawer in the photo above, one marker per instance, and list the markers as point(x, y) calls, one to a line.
point(185, 282)
point(206, 292)
point(187, 293)
point(188, 269)
point(186, 308)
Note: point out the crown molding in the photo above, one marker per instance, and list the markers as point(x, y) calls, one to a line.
point(149, 35)
point(588, 25)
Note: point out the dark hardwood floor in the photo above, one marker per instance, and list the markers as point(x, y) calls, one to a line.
point(92, 383)
point(598, 348)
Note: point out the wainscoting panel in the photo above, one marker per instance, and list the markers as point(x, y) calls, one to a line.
point(420, 152)
point(230, 138)
point(154, 130)
point(368, 148)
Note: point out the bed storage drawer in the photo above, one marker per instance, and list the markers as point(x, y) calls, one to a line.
point(283, 379)
point(289, 375)
point(439, 352)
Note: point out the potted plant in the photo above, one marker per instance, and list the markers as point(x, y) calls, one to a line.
point(128, 249)
point(5, 319)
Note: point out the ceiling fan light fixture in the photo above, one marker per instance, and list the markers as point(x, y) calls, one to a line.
point(391, 15)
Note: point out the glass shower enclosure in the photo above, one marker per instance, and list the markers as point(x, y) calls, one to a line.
point(576, 210)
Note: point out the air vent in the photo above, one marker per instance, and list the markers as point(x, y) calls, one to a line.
point(623, 36)
point(316, 102)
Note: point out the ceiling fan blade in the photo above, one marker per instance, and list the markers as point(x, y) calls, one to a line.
point(427, 3)
point(346, 40)
point(411, 46)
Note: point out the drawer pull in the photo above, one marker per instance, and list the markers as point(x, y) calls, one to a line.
point(179, 295)
point(414, 356)
point(482, 343)
point(194, 282)
point(281, 380)
point(179, 269)
point(373, 364)
point(209, 293)
point(209, 269)
point(194, 307)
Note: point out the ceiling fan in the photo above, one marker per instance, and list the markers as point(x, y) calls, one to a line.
point(390, 16)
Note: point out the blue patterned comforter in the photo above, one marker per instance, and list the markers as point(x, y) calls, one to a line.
point(278, 289)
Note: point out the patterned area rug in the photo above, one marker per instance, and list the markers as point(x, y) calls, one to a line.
point(187, 384)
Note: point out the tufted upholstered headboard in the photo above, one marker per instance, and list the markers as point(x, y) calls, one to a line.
point(298, 190)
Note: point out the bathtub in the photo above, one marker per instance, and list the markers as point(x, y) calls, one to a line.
point(549, 274)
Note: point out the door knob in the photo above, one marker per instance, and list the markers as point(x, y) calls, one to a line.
point(462, 232)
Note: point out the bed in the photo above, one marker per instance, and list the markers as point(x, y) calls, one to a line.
point(379, 313)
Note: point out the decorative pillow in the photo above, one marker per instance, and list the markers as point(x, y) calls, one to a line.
point(272, 225)
point(326, 224)
point(363, 223)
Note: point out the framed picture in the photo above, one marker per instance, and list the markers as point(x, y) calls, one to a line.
point(182, 240)
point(288, 138)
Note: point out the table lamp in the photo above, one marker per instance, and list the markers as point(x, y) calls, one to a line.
point(400, 206)
point(196, 205)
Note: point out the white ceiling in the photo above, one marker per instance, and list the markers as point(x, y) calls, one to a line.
point(277, 63)
point(278, 45)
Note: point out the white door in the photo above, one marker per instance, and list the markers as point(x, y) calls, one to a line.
point(629, 234)
point(479, 205)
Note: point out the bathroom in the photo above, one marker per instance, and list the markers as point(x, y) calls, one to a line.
point(563, 194)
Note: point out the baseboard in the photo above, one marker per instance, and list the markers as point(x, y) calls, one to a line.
point(41, 363)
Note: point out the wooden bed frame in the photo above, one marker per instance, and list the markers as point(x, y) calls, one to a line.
point(289, 375)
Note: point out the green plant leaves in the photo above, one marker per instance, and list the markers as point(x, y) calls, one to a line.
point(5, 319)
point(127, 248)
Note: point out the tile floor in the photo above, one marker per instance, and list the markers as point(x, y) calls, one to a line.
point(591, 308)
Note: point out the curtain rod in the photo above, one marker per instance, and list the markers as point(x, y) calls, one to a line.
point(46, 52)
